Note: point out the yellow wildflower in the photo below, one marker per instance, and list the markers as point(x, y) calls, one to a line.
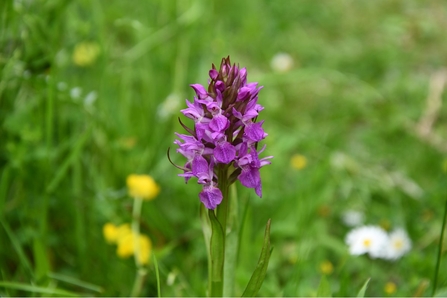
point(85, 53)
point(142, 186)
point(326, 267)
point(113, 233)
point(298, 161)
point(126, 247)
point(390, 288)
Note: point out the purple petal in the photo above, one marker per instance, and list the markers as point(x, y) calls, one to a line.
point(250, 177)
point(220, 86)
point(237, 114)
point(199, 165)
point(243, 75)
point(224, 152)
point(243, 93)
point(219, 123)
point(213, 74)
point(210, 196)
point(200, 91)
point(254, 132)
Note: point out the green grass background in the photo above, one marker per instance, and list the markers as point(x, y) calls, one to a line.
point(360, 79)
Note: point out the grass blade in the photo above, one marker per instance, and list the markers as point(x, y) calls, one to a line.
point(75, 281)
point(258, 275)
point(363, 289)
point(37, 289)
point(22, 257)
point(324, 289)
point(438, 259)
point(157, 276)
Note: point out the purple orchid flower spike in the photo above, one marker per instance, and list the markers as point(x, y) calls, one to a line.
point(222, 145)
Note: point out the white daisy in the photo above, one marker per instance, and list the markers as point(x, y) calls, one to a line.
point(367, 239)
point(399, 244)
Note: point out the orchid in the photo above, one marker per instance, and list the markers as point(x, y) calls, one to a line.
point(223, 143)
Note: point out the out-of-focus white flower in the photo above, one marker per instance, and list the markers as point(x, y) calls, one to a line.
point(399, 244)
point(75, 92)
point(281, 62)
point(90, 98)
point(62, 86)
point(367, 239)
point(352, 218)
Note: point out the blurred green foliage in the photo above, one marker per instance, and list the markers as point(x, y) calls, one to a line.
point(71, 132)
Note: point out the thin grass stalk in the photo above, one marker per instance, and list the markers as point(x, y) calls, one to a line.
point(141, 271)
point(438, 259)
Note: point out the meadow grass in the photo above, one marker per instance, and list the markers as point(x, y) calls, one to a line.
point(73, 130)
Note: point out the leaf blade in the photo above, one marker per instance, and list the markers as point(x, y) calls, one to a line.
point(258, 275)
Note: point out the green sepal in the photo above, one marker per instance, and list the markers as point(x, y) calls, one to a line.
point(258, 275)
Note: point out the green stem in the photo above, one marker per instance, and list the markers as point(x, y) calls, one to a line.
point(218, 221)
point(139, 280)
point(141, 272)
point(222, 209)
point(217, 255)
point(438, 261)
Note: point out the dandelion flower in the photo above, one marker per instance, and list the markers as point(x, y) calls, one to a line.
point(113, 233)
point(367, 239)
point(109, 231)
point(399, 244)
point(298, 161)
point(85, 53)
point(326, 267)
point(126, 247)
point(390, 288)
point(142, 186)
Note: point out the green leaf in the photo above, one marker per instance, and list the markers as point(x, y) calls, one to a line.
point(324, 289)
point(16, 244)
point(37, 289)
point(217, 251)
point(157, 275)
point(258, 275)
point(363, 289)
point(75, 281)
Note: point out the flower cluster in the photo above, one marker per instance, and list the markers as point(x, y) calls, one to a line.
point(225, 135)
point(126, 240)
point(378, 243)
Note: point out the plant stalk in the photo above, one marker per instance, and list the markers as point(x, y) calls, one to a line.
point(438, 260)
point(141, 271)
